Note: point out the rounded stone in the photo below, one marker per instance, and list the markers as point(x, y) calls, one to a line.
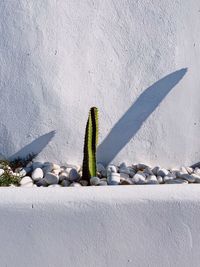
point(111, 169)
point(151, 179)
point(113, 178)
point(148, 170)
point(63, 176)
point(197, 171)
point(189, 170)
point(41, 182)
point(83, 182)
point(167, 178)
point(197, 178)
point(162, 172)
point(183, 170)
point(124, 169)
point(65, 183)
point(124, 175)
point(160, 179)
point(141, 166)
point(73, 175)
point(155, 170)
point(139, 178)
point(1, 172)
point(47, 167)
point(101, 169)
point(102, 183)
point(51, 178)
point(190, 178)
point(37, 174)
point(177, 181)
point(94, 180)
point(26, 182)
point(55, 167)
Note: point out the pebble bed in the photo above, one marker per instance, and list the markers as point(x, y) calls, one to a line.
point(38, 174)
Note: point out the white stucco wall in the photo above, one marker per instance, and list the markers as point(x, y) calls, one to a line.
point(137, 226)
point(59, 58)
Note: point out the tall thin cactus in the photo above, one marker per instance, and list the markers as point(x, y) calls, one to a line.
point(90, 145)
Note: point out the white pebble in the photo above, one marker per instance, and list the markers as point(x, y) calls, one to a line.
point(37, 174)
point(111, 168)
point(189, 170)
point(55, 167)
point(1, 172)
point(94, 180)
point(124, 175)
point(168, 178)
point(139, 178)
point(51, 178)
point(160, 179)
point(197, 171)
point(56, 171)
point(113, 178)
point(26, 182)
point(151, 179)
point(197, 178)
point(183, 170)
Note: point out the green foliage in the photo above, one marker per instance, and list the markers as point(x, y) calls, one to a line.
point(7, 179)
point(90, 145)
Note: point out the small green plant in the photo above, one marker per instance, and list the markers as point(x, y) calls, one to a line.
point(90, 145)
point(7, 178)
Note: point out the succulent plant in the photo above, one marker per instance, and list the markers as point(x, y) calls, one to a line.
point(90, 145)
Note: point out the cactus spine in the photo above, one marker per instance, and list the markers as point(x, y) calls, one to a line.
point(90, 145)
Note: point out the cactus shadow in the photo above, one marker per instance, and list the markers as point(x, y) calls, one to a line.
point(129, 124)
point(35, 147)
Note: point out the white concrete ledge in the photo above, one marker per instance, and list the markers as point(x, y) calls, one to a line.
point(100, 226)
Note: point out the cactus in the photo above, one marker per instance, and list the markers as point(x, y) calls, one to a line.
point(90, 145)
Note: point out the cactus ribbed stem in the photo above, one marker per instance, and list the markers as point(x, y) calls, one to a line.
point(90, 145)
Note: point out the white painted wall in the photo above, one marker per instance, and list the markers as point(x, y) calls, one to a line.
point(60, 57)
point(100, 226)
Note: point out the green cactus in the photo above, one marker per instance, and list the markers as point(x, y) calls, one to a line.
point(90, 145)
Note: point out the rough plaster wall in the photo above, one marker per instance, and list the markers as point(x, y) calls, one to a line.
point(59, 58)
point(139, 226)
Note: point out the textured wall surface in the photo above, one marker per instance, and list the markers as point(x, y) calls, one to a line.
point(137, 226)
point(60, 57)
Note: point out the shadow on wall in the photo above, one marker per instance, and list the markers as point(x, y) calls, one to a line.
point(132, 120)
point(34, 147)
